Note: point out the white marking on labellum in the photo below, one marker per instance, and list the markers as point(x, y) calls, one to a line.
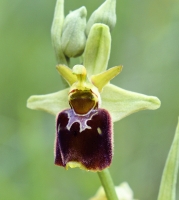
point(81, 119)
point(99, 130)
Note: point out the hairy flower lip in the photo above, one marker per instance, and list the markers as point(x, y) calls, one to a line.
point(84, 142)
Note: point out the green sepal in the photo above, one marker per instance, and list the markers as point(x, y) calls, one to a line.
point(97, 49)
point(73, 34)
point(100, 80)
point(56, 31)
point(67, 74)
point(121, 103)
point(52, 103)
point(169, 178)
point(105, 14)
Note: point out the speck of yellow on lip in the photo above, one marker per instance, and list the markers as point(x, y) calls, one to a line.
point(99, 130)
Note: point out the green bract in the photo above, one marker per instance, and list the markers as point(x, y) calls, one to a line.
point(119, 102)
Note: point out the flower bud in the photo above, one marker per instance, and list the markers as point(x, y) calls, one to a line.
point(56, 31)
point(105, 14)
point(73, 34)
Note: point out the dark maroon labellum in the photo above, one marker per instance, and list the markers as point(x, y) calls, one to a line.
point(85, 139)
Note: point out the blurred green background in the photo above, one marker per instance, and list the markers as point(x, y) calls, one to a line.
point(145, 41)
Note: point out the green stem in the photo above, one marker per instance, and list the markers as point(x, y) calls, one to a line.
point(108, 184)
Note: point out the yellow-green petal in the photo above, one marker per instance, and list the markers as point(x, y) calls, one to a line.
point(121, 103)
point(67, 74)
point(97, 49)
point(100, 80)
point(169, 177)
point(52, 103)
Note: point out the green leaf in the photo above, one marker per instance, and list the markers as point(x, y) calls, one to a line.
point(97, 49)
point(169, 178)
point(121, 103)
point(52, 103)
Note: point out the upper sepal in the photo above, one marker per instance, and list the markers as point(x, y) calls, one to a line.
point(97, 50)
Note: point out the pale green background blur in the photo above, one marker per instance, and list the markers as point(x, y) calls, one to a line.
point(145, 41)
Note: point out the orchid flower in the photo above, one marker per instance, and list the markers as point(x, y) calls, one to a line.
point(86, 110)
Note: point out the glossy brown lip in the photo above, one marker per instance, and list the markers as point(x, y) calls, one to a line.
point(82, 101)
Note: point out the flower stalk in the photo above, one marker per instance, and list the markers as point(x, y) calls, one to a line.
point(108, 184)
